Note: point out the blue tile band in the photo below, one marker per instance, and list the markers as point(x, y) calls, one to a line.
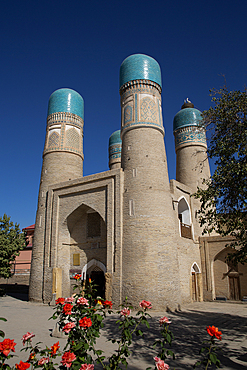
point(190, 135)
point(140, 67)
point(66, 100)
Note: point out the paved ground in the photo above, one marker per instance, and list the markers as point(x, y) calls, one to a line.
point(188, 326)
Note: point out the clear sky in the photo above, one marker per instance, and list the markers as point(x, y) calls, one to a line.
point(80, 44)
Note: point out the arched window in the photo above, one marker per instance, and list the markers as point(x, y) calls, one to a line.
point(185, 219)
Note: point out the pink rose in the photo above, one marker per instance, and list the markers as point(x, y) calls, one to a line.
point(87, 367)
point(68, 327)
point(160, 364)
point(82, 301)
point(43, 360)
point(69, 300)
point(145, 304)
point(125, 311)
point(68, 358)
point(26, 337)
point(164, 320)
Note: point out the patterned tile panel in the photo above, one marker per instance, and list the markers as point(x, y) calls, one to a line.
point(190, 135)
point(128, 114)
point(53, 140)
point(72, 138)
point(148, 110)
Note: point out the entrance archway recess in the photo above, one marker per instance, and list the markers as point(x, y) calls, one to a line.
point(96, 271)
point(226, 277)
point(196, 283)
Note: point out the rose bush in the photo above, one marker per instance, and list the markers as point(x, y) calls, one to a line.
point(81, 318)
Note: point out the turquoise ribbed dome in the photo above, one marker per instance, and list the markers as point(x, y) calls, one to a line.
point(187, 117)
point(66, 100)
point(140, 67)
point(115, 138)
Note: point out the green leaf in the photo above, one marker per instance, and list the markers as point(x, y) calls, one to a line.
point(213, 358)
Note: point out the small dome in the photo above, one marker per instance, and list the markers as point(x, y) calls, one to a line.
point(115, 138)
point(140, 67)
point(187, 117)
point(66, 100)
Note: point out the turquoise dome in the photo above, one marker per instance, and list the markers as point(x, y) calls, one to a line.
point(115, 138)
point(187, 117)
point(66, 100)
point(140, 67)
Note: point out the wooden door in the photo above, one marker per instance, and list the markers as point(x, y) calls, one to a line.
point(234, 288)
point(194, 287)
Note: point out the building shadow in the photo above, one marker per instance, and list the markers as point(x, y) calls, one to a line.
point(18, 291)
point(189, 330)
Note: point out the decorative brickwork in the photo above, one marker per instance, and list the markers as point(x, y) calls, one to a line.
point(53, 141)
point(190, 134)
point(72, 139)
point(148, 110)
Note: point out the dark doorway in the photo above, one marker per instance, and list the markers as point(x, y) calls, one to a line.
point(194, 287)
point(98, 278)
point(234, 288)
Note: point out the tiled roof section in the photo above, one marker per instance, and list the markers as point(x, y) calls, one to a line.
point(140, 67)
point(66, 100)
point(29, 227)
point(115, 138)
point(187, 117)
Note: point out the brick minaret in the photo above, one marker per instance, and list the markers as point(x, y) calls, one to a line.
point(150, 268)
point(192, 164)
point(115, 148)
point(62, 161)
point(191, 146)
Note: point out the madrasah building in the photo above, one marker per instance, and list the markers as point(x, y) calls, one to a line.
point(131, 230)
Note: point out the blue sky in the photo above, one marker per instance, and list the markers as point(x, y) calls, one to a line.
point(79, 44)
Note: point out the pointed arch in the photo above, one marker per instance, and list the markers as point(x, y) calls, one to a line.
point(195, 268)
point(91, 263)
point(184, 211)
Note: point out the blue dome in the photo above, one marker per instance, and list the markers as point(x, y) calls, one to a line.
point(140, 67)
point(115, 138)
point(66, 100)
point(187, 117)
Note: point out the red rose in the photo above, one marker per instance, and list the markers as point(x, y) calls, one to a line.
point(67, 308)
point(22, 365)
point(54, 348)
point(85, 322)
point(108, 304)
point(7, 345)
point(60, 301)
point(213, 331)
point(68, 358)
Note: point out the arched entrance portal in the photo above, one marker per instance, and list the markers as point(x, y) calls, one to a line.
point(226, 277)
point(96, 271)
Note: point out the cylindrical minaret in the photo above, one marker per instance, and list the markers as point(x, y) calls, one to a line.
point(115, 148)
point(62, 161)
point(150, 267)
point(191, 146)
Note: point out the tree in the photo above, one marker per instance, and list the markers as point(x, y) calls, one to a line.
point(12, 240)
point(224, 199)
